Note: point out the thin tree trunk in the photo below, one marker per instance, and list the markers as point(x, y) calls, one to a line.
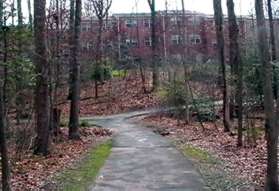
point(99, 55)
point(3, 146)
point(272, 35)
point(273, 48)
point(1, 12)
point(19, 101)
point(186, 70)
point(5, 59)
point(236, 63)
point(75, 77)
point(30, 14)
point(42, 90)
point(270, 122)
point(56, 112)
point(155, 73)
point(218, 15)
point(19, 14)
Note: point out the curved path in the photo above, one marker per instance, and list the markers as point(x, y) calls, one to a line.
point(143, 161)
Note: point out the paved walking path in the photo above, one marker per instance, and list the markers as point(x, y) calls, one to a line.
point(143, 161)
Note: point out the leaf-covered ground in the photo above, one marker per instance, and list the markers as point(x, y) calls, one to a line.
point(33, 172)
point(247, 163)
point(115, 96)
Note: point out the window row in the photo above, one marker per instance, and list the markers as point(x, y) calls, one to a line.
point(175, 40)
point(132, 42)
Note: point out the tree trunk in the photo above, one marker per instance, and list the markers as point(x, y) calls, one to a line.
point(19, 13)
point(3, 146)
point(218, 15)
point(42, 90)
point(155, 73)
point(272, 35)
point(273, 48)
point(30, 14)
point(4, 152)
point(236, 64)
point(75, 75)
point(270, 122)
point(18, 69)
point(1, 12)
point(186, 69)
point(5, 59)
point(13, 12)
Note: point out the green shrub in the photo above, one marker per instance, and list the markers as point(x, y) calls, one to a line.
point(102, 71)
point(84, 123)
point(206, 109)
point(119, 73)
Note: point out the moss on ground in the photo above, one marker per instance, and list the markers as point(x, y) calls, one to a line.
point(198, 154)
point(213, 170)
point(84, 175)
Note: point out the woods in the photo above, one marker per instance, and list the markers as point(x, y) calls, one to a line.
point(207, 80)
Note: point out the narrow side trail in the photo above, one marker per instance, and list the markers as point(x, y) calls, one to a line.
point(143, 161)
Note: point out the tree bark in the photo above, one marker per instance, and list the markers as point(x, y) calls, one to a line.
point(273, 48)
point(186, 70)
point(19, 101)
point(30, 17)
point(75, 72)
point(42, 90)
point(1, 12)
point(272, 35)
point(155, 73)
point(19, 13)
point(236, 64)
point(269, 108)
point(3, 147)
point(218, 15)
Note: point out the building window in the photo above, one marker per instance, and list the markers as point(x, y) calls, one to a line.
point(195, 20)
point(131, 23)
point(176, 39)
point(147, 23)
point(148, 41)
point(85, 27)
point(214, 44)
point(176, 20)
point(195, 39)
point(131, 42)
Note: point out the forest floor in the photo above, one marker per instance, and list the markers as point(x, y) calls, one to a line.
point(235, 167)
point(121, 95)
point(30, 172)
point(115, 96)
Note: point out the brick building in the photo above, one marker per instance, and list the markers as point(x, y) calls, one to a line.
point(129, 35)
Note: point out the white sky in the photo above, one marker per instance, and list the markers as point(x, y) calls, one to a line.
point(203, 6)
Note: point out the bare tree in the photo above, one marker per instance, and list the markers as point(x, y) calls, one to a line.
point(19, 13)
point(42, 90)
point(236, 63)
point(1, 12)
point(3, 146)
point(75, 22)
point(101, 8)
point(269, 108)
point(218, 15)
point(155, 74)
point(273, 46)
point(19, 101)
point(185, 54)
point(30, 17)
point(271, 25)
